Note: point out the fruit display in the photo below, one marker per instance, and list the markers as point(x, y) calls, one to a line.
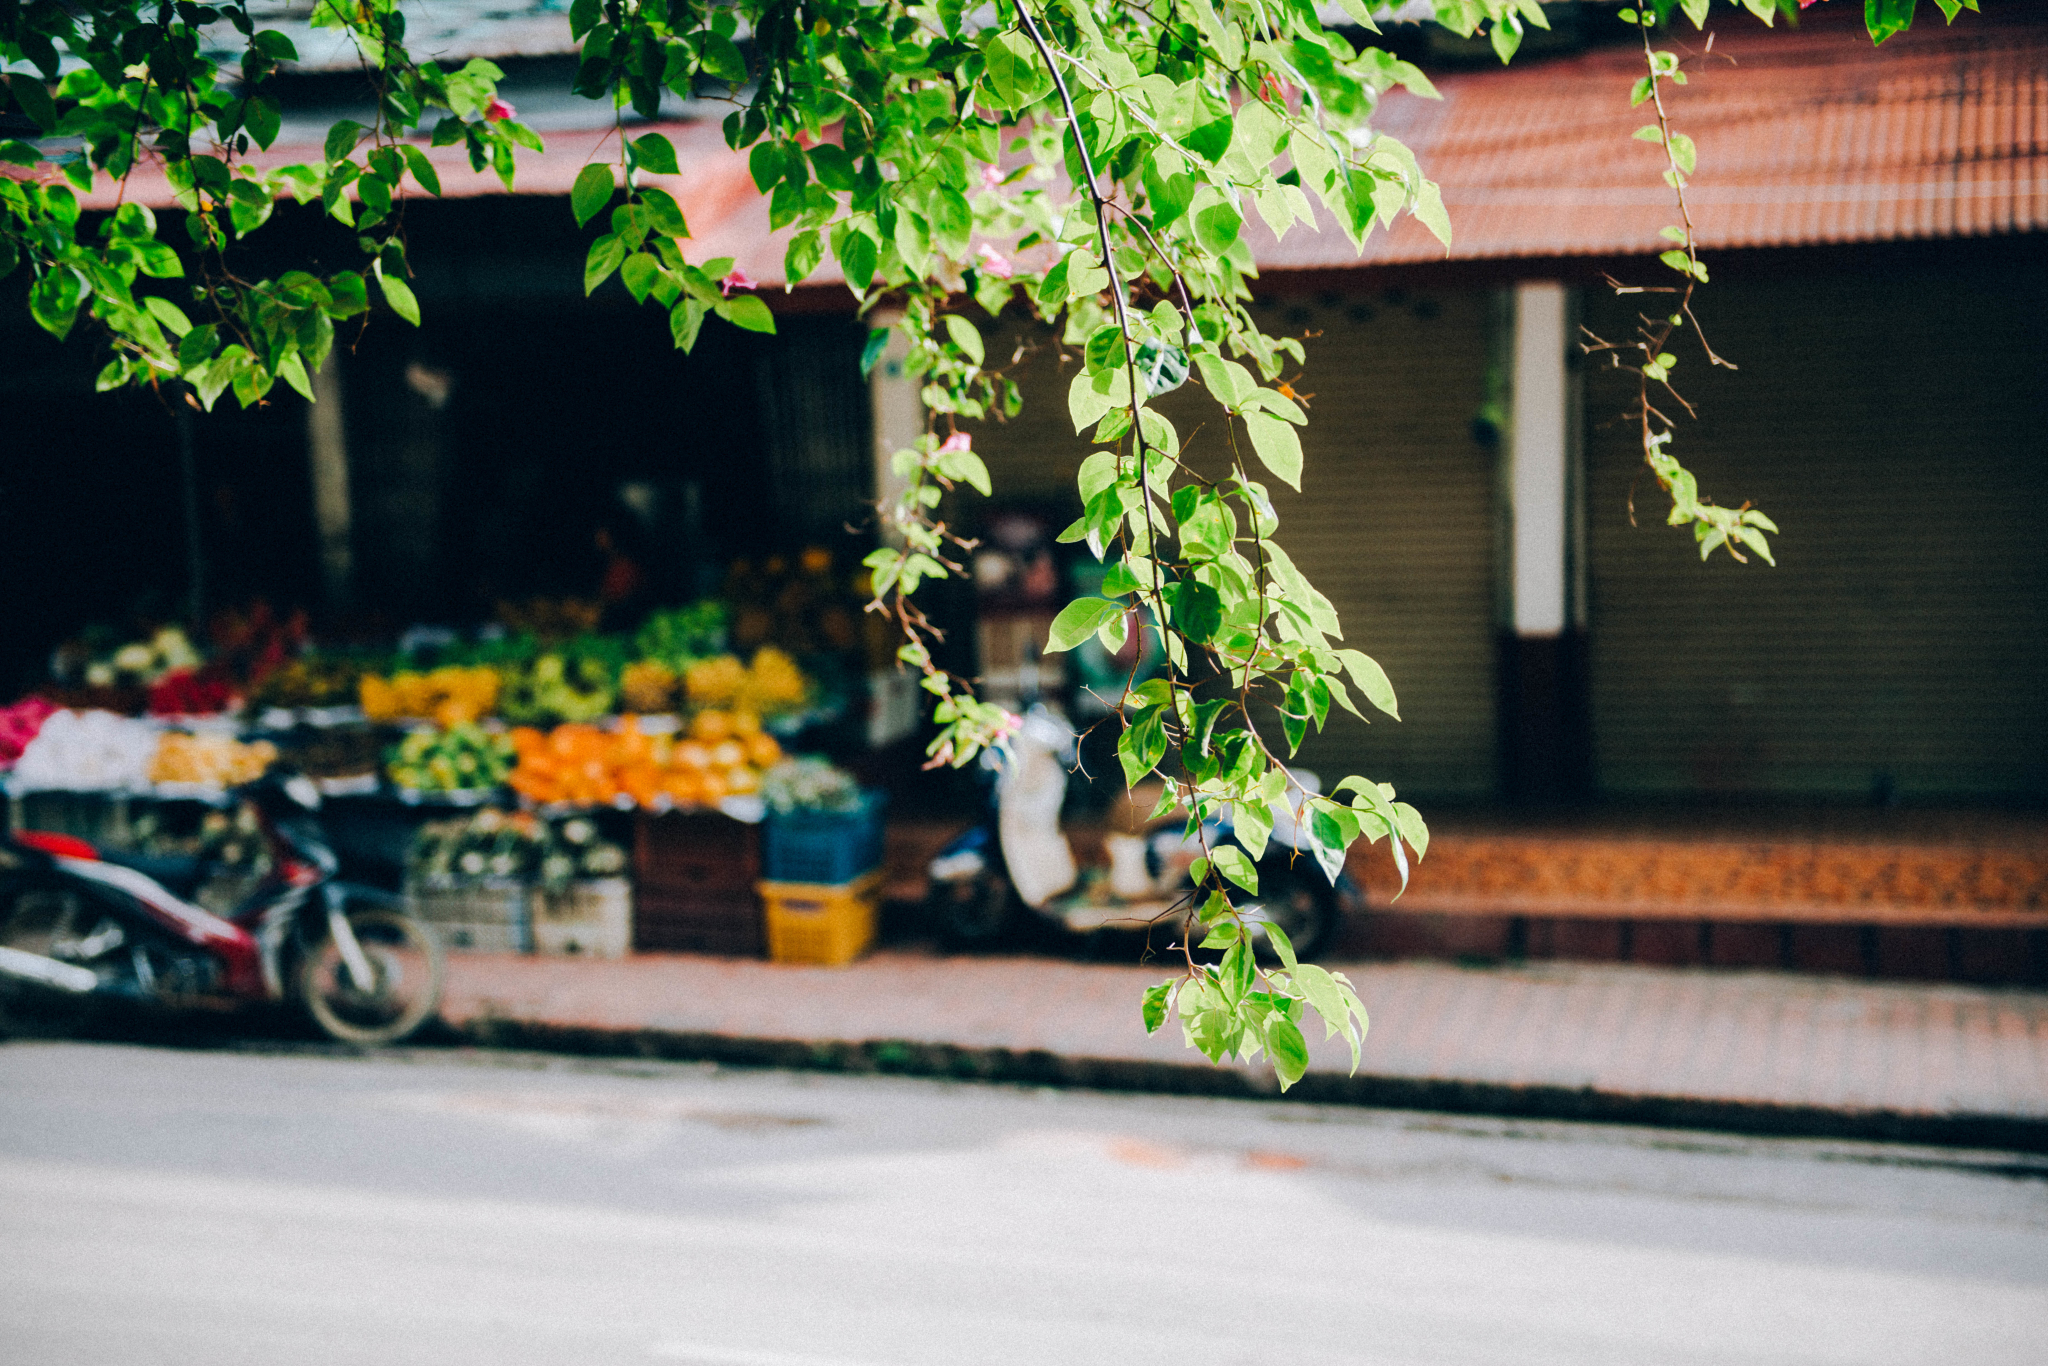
point(89, 751)
point(137, 662)
point(309, 682)
point(209, 760)
point(681, 637)
point(449, 696)
point(516, 846)
point(721, 756)
point(809, 785)
point(461, 758)
point(559, 687)
point(191, 692)
point(772, 686)
point(18, 725)
point(648, 685)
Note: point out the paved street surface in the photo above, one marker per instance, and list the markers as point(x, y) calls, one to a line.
point(1754, 1037)
point(503, 1209)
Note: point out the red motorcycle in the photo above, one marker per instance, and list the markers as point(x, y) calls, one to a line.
point(81, 926)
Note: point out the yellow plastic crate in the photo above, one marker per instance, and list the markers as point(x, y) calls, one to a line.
point(818, 922)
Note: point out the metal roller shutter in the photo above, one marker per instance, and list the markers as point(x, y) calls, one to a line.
point(1395, 522)
point(1891, 423)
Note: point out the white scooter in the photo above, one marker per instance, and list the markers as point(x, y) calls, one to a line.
point(1018, 861)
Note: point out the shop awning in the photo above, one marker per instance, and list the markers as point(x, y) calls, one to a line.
point(1805, 137)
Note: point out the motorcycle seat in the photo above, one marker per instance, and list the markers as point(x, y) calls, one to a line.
point(180, 874)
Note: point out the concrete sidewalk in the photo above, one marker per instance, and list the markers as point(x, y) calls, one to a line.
point(1750, 1052)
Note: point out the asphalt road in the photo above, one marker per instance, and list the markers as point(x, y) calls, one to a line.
point(217, 1208)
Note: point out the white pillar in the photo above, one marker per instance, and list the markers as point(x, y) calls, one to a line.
point(1539, 460)
point(897, 410)
point(327, 448)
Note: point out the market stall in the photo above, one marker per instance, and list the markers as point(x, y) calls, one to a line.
point(533, 785)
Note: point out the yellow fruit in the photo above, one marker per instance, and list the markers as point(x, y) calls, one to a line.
point(714, 682)
point(648, 686)
point(711, 726)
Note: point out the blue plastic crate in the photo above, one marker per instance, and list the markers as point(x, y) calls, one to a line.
point(824, 846)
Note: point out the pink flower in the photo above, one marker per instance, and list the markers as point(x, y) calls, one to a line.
point(994, 264)
point(497, 111)
point(958, 441)
point(735, 279)
point(991, 177)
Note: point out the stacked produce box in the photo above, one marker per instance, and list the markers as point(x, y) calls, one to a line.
point(822, 860)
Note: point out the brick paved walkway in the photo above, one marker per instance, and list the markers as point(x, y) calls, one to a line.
point(1762, 1039)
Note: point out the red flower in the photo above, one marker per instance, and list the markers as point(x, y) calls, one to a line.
point(498, 110)
point(735, 279)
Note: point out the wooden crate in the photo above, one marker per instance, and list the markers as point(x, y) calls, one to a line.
point(489, 917)
point(695, 873)
point(593, 919)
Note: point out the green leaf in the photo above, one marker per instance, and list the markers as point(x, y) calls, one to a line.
point(1090, 396)
point(952, 221)
point(341, 139)
point(1080, 619)
point(1278, 447)
point(806, 249)
point(654, 154)
point(607, 254)
point(1013, 69)
point(965, 336)
point(639, 274)
point(858, 256)
point(871, 351)
point(1683, 154)
point(54, 300)
point(156, 260)
point(1288, 1050)
point(399, 295)
point(744, 310)
point(1885, 18)
point(592, 191)
point(1282, 945)
point(1372, 680)
point(833, 167)
point(169, 314)
point(1413, 829)
point(260, 116)
point(685, 320)
point(665, 215)
point(292, 371)
point(1155, 1006)
point(1217, 227)
point(1212, 140)
point(1236, 865)
point(422, 169)
point(764, 163)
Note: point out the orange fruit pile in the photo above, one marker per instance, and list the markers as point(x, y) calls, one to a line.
point(722, 755)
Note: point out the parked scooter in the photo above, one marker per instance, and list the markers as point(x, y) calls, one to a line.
point(1017, 861)
point(80, 926)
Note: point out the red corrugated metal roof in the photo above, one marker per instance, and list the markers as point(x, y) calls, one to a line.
point(1804, 137)
point(1808, 136)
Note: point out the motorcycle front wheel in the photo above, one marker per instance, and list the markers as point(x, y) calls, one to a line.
point(406, 970)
